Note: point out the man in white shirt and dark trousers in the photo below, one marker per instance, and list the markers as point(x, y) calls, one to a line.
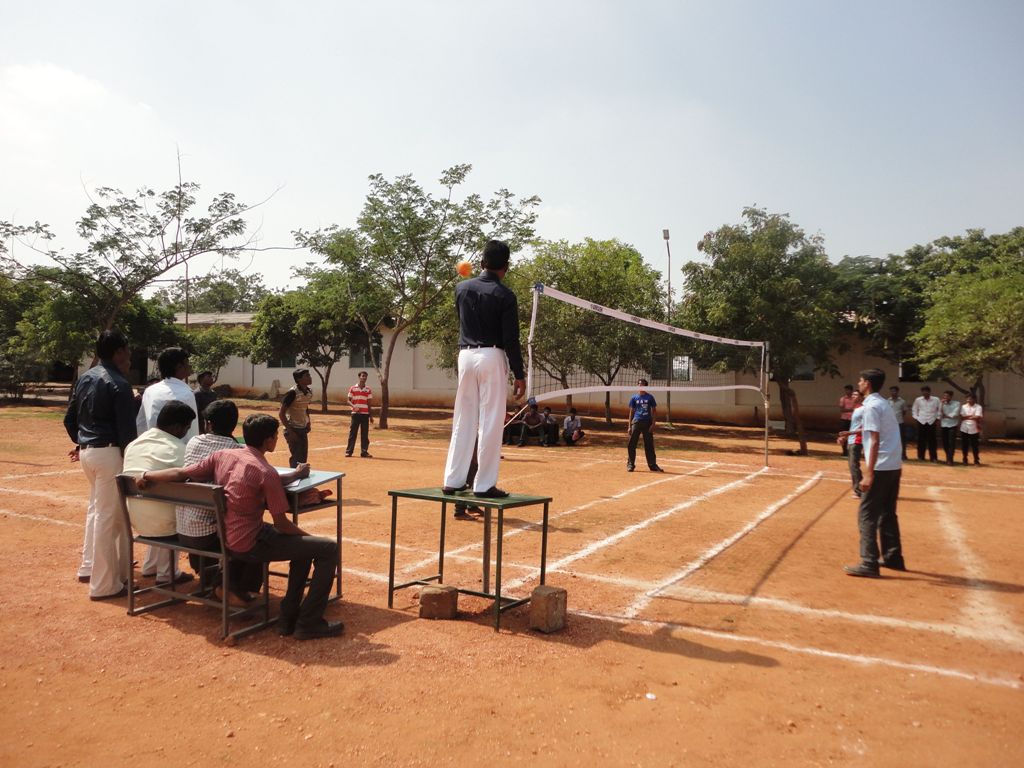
point(949, 421)
point(880, 484)
point(926, 411)
point(970, 427)
point(488, 333)
point(175, 369)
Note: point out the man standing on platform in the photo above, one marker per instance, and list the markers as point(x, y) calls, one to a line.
point(359, 396)
point(488, 333)
point(880, 485)
point(100, 420)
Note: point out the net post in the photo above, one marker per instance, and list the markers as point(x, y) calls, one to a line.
point(537, 288)
point(766, 392)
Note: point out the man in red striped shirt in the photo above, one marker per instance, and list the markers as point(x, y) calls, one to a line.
point(359, 396)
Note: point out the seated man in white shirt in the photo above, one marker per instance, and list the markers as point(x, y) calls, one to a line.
point(159, 448)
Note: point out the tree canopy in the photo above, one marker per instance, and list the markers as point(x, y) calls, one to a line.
point(226, 290)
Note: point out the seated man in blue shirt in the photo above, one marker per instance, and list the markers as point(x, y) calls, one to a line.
point(880, 484)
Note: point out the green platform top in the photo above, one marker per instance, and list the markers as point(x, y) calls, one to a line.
point(467, 497)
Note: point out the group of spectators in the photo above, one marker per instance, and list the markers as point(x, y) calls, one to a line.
point(544, 426)
point(166, 436)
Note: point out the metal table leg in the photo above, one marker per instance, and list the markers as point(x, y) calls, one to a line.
point(391, 567)
point(338, 528)
point(440, 546)
point(487, 549)
point(497, 570)
point(544, 545)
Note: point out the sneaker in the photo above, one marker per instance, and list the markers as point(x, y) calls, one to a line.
point(861, 570)
point(348, 454)
point(630, 467)
point(365, 455)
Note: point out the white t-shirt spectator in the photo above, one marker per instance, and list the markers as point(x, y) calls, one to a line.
point(970, 426)
point(926, 411)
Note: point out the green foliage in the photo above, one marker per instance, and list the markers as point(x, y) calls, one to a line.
point(974, 323)
point(212, 346)
point(227, 290)
point(315, 323)
point(400, 259)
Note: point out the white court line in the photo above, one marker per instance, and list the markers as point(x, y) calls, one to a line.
point(615, 538)
point(49, 495)
point(712, 552)
point(572, 511)
point(981, 608)
point(42, 474)
point(812, 651)
point(40, 518)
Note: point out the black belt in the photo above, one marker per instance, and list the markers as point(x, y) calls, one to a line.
point(480, 346)
point(98, 445)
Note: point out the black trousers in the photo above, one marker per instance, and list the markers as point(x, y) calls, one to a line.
point(926, 439)
point(844, 426)
point(636, 429)
point(969, 441)
point(526, 431)
point(301, 552)
point(567, 436)
point(877, 520)
point(853, 459)
point(949, 443)
point(361, 424)
point(298, 445)
point(242, 576)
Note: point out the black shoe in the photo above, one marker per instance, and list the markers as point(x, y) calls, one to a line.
point(286, 625)
point(321, 629)
point(181, 578)
point(861, 570)
point(122, 593)
point(656, 468)
point(894, 565)
point(448, 491)
point(977, 463)
point(494, 492)
point(348, 454)
point(84, 579)
point(365, 455)
point(629, 467)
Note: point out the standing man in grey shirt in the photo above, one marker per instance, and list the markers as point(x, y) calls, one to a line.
point(880, 485)
point(899, 410)
point(100, 421)
point(488, 334)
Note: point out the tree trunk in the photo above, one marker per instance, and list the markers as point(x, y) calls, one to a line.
point(323, 392)
point(608, 408)
point(385, 372)
point(791, 413)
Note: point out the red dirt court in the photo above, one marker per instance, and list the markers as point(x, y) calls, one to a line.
point(710, 620)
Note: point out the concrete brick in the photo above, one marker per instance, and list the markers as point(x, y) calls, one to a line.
point(547, 608)
point(439, 602)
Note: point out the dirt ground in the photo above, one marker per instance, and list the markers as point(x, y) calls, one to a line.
point(710, 620)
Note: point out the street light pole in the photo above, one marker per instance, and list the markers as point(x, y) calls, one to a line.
point(668, 395)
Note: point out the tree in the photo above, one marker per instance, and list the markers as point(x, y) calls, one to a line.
point(131, 241)
point(212, 346)
point(974, 323)
point(227, 290)
point(316, 324)
point(400, 259)
point(766, 280)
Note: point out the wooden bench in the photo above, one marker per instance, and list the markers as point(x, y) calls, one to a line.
point(205, 496)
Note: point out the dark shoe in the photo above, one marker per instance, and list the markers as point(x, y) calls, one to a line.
point(464, 512)
point(894, 565)
point(629, 467)
point(286, 625)
point(977, 463)
point(448, 491)
point(656, 468)
point(348, 454)
point(861, 570)
point(322, 629)
point(181, 578)
point(494, 492)
point(84, 579)
point(122, 593)
point(965, 461)
point(365, 455)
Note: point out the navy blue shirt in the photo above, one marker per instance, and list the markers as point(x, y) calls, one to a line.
point(101, 411)
point(489, 317)
point(642, 406)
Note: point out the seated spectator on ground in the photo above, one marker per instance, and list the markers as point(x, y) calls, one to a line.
point(512, 427)
point(572, 428)
point(252, 485)
point(197, 527)
point(161, 447)
point(550, 428)
point(533, 425)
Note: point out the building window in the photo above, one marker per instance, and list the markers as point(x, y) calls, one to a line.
point(909, 371)
point(282, 362)
point(803, 372)
point(359, 356)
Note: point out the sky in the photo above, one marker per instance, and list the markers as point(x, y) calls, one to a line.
point(877, 125)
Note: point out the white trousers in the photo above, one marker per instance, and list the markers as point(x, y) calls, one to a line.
point(479, 418)
point(161, 563)
point(109, 559)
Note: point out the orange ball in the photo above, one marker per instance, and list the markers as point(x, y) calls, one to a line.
point(464, 268)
